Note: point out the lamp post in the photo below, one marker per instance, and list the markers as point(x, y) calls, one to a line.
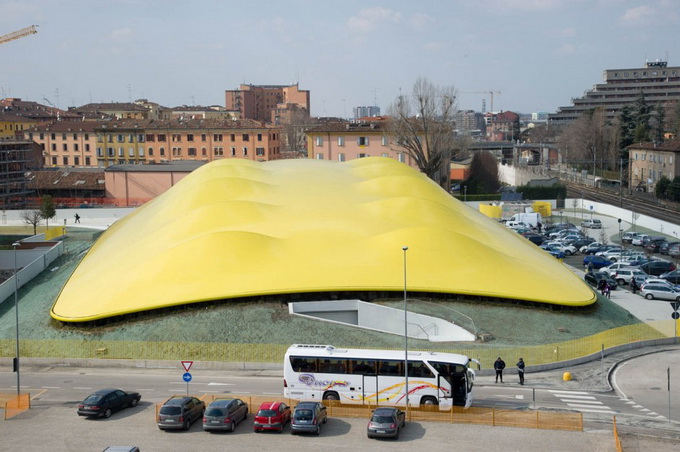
point(16, 316)
point(405, 248)
point(464, 196)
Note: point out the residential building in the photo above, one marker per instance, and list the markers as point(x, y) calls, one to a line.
point(33, 110)
point(66, 143)
point(650, 161)
point(117, 110)
point(198, 112)
point(121, 142)
point(344, 141)
point(72, 187)
point(470, 123)
point(658, 83)
point(264, 102)
point(12, 126)
point(503, 126)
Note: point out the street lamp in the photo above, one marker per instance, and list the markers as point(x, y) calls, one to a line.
point(405, 248)
point(16, 315)
point(620, 234)
point(464, 195)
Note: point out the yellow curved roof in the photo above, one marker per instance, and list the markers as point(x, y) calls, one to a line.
point(236, 228)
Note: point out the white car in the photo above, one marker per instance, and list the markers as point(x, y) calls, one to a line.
point(568, 250)
point(611, 270)
point(626, 274)
point(594, 224)
point(659, 291)
point(639, 239)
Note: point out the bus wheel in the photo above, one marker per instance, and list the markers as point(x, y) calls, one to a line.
point(428, 401)
point(331, 396)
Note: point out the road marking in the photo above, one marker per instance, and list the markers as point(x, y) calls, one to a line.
point(77, 387)
point(519, 396)
point(220, 384)
point(39, 394)
point(556, 392)
point(272, 393)
point(144, 389)
point(597, 411)
point(645, 409)
point(577, 405)
point(638, 406)
point(592, 402)
point(51, 387)
point(578, 397)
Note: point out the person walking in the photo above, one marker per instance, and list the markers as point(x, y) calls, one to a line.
point(633, 285)
point(77, 217)
point(498, 366)
point(520, 370)
point(607, 290)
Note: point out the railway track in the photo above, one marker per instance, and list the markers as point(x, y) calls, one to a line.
point(646, 206)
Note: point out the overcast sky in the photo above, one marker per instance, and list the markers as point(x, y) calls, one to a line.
point(537, 53)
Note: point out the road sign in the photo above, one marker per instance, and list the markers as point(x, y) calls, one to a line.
point(186, 377)
point(187, 365)
point(675, 315)
point(676, 305)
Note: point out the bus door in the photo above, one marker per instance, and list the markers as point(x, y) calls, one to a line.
point(458, 379)
point(369, 387)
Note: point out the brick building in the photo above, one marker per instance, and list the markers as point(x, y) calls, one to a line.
point(649, 161)
point(265, 103)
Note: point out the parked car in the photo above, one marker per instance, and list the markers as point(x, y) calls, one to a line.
point(592, 224)
point(613, 268)
point(613, 254)
point(178, 413)
point(224, 414)
point(660, 291)
point(624, 275)
point(556, 246)
point(553, 251)
point(665, 245)
point(591, 248)
point(637, 241)
point(672, 277)
point(674, 250)
point(386, 423)
point(657, 267)
point(628, 237)
point(653, 245)
point(308, 417)
point(537, 239)
point(272, 416)
point(596, 261)
point(594, 279)
point(582, 242)
point(661, 281)
point(104, 402)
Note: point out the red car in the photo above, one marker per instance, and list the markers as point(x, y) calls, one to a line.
point(272, 416)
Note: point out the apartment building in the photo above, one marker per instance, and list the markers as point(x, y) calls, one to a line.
point(344, 141)
point(66, 143)
point(265, 103)
point(16, 157)
point(649, 162)
point(658, 83)
point(503, 126)
point(12, 126)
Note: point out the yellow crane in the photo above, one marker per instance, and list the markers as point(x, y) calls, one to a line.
point(18, 34)
point(490, 93)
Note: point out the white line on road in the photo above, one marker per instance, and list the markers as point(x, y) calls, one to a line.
point(212, 383)
point(597, 411)
point(51, 387)
point(144, 389)
point(272, 393)
point(77, 387)
point(577, 405)
point(519, 396)
point(555, 391)
point(592, 402)
point(576, 396)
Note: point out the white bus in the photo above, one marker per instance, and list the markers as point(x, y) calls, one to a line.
point(316, 372)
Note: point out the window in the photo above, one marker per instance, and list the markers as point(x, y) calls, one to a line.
point(190, 137)
point(141, 151)
point(218, 151)
point(76, 161)
point(131, 152)
point(176, 137)
point(100, 152)
point(319, 156)
point(259, 137)
point(362, 141)
point(402, 157)
point(341, 141)
point(192, 152)
point(131, 138)
point(384, 141)
point(303, 364)
point(150, 151)
point(75, 136)
point(53, 136)
point(233, 151)
point(150, 137)
point(121, 152)
point(65, 161)
point(54, 146)
point(63, 136)
point(318, 141)
point(245, 151)
point(64, 147)
point(120, 138)
point(87, 161)
point(362, 366)
point(245, 137)
point(341, 157)
point(362, 155)
point(259, 151)
point(384, 154)
point(140, 137)
point(204, 137)
point(42, 136)
point(161, 137)
point(54, 161)
point(87, 147)
point(204, 151)
point(391, 368)
point(333, 366)
point(75, 147)
point(233, 137)
point(217, 137)
point(162, 151)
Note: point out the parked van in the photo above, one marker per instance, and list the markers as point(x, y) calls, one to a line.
point(592, 224)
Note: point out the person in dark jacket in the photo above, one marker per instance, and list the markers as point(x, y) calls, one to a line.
point(633, 285)
point(520, 370)
point(498, 366)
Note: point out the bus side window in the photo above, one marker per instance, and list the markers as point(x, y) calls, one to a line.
point(362, 367)
point(418, 369)
point(391, 368)
point(300, 364)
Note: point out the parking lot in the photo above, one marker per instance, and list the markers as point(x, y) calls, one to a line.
point(58, 428)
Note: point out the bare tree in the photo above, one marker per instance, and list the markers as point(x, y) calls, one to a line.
point(422, 125)
point(293, 137)
point(483, 174)
point(592, 141)
point(32, 217)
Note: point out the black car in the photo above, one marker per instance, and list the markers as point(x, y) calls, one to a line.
point(224, 414)
point(105, 401)
point(672, 277)
point(665, 245)
point(594, 279)
point(536, 238)
point(386, 423)
point(654, 245)
point(656, 268)
point(178, 413)
point(578, 244)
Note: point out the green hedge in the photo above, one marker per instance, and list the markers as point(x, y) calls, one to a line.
point(482, 197)
point(553, 192)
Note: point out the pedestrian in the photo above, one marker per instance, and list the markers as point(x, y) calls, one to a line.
point(590, 267)
point(77, 217)
point(633, 285)
point(498, 366)
point(520, 370)
point(601, 285)
point(607, 290)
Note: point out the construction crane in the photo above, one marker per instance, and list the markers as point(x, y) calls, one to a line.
point(18, 34)
point(490, 93)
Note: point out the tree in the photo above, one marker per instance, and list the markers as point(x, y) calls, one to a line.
point(293, 138)
point(662, 188)
point(592, 141)
point(32, 217)
point(47, 209)
point(422, 126)
point(483, 176)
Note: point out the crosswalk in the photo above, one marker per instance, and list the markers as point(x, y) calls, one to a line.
point(643, 410)
point(582, 401)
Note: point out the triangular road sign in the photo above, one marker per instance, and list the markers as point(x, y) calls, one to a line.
point(676, 305)
point(187, 365)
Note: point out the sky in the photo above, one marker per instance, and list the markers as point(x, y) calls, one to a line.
point(535, 55)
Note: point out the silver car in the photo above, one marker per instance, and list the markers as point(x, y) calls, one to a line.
point(653, 291)
point(386, 423)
